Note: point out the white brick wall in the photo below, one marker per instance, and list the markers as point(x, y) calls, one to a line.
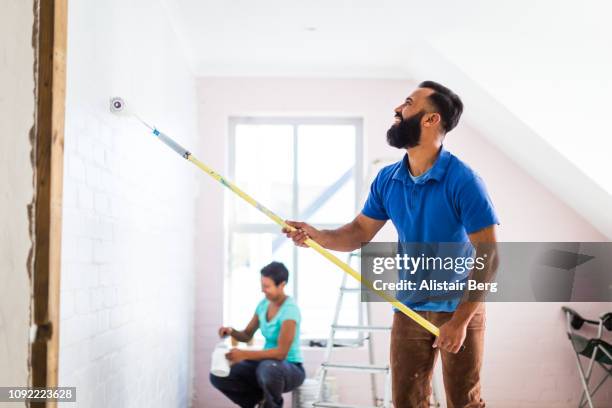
point(127, 289)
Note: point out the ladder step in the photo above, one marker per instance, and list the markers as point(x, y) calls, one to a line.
point(339, 405)
point(361, 328)
point(355, 367)
point(350, 290)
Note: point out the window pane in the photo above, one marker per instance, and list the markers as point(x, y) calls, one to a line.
point(326, 182)
point(249, 252)
point(263, 169)
point(318, 286)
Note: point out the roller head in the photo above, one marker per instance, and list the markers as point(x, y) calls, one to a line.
point(117, 105)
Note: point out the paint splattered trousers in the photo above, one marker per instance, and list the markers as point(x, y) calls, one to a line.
point(413, 358)
point(251, 381)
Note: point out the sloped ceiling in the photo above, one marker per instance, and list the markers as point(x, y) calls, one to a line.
point(534, 74)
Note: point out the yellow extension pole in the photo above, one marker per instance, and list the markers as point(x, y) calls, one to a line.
point(426, 324)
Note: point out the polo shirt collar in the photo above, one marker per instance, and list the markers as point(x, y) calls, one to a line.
point(436, 172)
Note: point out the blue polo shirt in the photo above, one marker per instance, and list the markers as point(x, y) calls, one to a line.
point(446, 204)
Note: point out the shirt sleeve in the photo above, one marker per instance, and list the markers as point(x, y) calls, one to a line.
point(476, 210)
point(374, 206)
point(291, 313)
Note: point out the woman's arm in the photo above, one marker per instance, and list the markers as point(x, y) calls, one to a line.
point(244, 335)
point(285, 338)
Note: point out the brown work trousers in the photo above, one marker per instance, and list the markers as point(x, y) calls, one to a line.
point(413, 358)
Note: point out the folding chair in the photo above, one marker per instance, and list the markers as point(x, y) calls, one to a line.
point(594, 349)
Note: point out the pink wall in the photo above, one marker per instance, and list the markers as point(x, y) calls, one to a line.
point(528, 359)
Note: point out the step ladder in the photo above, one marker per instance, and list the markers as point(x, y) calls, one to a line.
point(362, 327)
point(364, 331)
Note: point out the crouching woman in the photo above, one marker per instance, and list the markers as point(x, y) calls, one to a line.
point(262, 376)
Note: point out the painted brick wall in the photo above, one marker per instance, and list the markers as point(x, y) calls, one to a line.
point(127, 289)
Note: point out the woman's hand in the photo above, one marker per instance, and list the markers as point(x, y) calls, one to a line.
point(235, 355)
point(225, 331)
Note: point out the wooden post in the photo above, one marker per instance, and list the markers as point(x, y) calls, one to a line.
point(51, 86)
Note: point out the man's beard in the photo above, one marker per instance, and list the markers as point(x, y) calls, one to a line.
point(406, 133)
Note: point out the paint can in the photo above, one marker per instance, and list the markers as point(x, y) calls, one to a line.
point(219, 365)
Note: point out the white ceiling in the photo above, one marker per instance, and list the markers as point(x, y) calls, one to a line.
point(543, 65)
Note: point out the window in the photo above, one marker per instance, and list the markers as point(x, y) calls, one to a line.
point(300, 168)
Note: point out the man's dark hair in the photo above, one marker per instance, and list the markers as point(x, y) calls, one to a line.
point(446, 102)
point(276, 271)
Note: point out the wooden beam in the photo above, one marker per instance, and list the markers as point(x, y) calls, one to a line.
point(51, 86)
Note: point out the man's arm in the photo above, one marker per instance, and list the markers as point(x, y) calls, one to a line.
point(453, 332)
point(346, 238)
point(485, 242)
point(285, 338)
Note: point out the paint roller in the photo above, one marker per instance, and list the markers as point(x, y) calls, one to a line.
point(118, 107)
